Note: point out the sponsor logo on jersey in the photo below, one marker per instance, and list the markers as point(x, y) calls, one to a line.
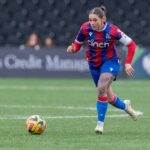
point(98, 44)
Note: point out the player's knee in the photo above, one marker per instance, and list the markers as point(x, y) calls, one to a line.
point(102, 90)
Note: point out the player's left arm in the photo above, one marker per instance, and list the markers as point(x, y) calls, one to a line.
point(127, 41)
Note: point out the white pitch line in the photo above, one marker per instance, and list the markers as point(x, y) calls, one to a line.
point(61, 88)
point(56, 107)
point(45, 106)
point(48, 88)
point(21, 117)
point(53, 107)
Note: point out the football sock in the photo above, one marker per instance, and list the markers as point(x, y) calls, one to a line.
point(101, 123)
point(101, 105)
point(118, 103)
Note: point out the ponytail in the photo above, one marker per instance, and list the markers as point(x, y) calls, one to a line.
point(103, 8)
point(99, 11)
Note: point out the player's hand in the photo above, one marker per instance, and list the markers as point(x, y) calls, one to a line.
point(71, 49)
point(129, 70)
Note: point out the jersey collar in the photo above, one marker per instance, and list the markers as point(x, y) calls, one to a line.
point(103, 28)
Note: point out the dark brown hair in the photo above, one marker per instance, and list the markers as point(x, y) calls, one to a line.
point(99, 11)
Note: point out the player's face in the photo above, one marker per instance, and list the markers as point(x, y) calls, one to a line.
point(96, 22)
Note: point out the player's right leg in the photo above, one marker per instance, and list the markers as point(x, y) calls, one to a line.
point(102, 103)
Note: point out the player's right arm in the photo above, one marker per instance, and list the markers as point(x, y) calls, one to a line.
point(74, 47)
point(81, 36)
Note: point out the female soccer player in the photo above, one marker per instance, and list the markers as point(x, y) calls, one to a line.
point(104, 61)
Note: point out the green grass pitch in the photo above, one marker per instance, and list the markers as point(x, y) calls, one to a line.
point(69, 110)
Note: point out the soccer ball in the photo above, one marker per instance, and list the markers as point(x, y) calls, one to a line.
point(35, 124)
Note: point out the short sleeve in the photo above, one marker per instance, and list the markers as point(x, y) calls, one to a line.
point(121, 36)
point(81, 36)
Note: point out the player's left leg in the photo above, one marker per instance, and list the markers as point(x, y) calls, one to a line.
point(119, 103)
point(115, 100)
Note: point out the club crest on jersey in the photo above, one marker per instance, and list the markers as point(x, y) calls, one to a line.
point(90, 33)
point(108, 36)
point(98, 44)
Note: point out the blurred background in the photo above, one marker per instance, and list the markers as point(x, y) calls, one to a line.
point(34, 35)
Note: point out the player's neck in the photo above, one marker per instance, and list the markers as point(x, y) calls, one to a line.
point(102, 28)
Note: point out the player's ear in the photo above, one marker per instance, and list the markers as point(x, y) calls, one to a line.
point(104, 18)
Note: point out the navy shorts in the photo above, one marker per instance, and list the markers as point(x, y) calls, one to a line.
point(110, 66)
